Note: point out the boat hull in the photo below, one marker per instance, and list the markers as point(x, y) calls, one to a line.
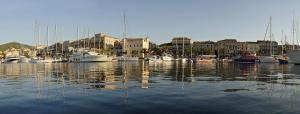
point(267, 59)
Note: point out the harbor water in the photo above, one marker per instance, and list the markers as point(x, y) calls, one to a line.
point(149, 88)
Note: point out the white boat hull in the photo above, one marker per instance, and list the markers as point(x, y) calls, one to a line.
point(267, 59)
point(94, 58)
point(128, 58)
point(167, 58)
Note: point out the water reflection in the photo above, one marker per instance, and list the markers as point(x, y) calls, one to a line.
point(155, 82)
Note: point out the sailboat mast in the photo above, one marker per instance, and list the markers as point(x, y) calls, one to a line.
point(191, 51)
point(293, 32)
point(62, 44)
point(183, 47)
point(77, 38)
point(124, 34)
point(55, 37)
point(47, 38)
point(297, 33)
point(88, 37)
point(83, 35)
point(282, 42)
point(271, 47)
point(94, 40)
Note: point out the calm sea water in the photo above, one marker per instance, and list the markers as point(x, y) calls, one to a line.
point(148, 88)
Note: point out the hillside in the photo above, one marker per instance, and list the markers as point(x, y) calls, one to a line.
point(16, 45)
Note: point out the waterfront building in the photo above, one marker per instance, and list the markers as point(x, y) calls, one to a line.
point(105, 41)
point(204, 47)
point(226, 48)
point(240, 47)
point(178, 43)
point(134, 47)
point(266, 47)
point(252, 47)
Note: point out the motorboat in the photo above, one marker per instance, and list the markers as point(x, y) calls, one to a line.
point(246, 57)
point(89, 56)
point(267, 59)
point(23, 59)
point(167, 57)
point(11, 59)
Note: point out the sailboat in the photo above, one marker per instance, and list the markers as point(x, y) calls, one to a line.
point(283, 58)
point(269, 58)
point(125, 57)
point(294, 55)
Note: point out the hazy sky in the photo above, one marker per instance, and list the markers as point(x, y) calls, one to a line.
point(245, 20)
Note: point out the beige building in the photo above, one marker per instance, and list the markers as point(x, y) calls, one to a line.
point(134, 46)
point(106, 41)
point(178, 43)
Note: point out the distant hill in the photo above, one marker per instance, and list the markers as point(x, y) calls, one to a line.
point(15, 45)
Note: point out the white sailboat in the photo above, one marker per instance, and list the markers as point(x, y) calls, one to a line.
point(269, 58)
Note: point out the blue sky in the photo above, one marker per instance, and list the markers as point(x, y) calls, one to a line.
point(245, 20)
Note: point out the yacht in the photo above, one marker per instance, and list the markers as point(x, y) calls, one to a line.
point(124, 58)
point(89, 57)
point(36, 60)
point(11, 59)
point(167, 57)
point(246, 57)
point(267, 59)
point(23, 59)
point(154, 58)
point(206, 59)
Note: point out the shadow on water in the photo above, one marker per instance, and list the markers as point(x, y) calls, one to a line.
point(143, 87)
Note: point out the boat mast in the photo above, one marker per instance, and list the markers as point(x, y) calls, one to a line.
point(282, 42)
point(191, 51)
point(94, 41)
point(88, 34)
point(47, 38)
point(293, 42)
point(77, 38)
point(83, 35)
point(124, 33)
point(297, 33)
point(62, 45)
point(55, 37)
point(182, 47)
point(271, 47)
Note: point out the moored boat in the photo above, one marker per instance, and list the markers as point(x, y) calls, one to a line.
point(246, 57)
